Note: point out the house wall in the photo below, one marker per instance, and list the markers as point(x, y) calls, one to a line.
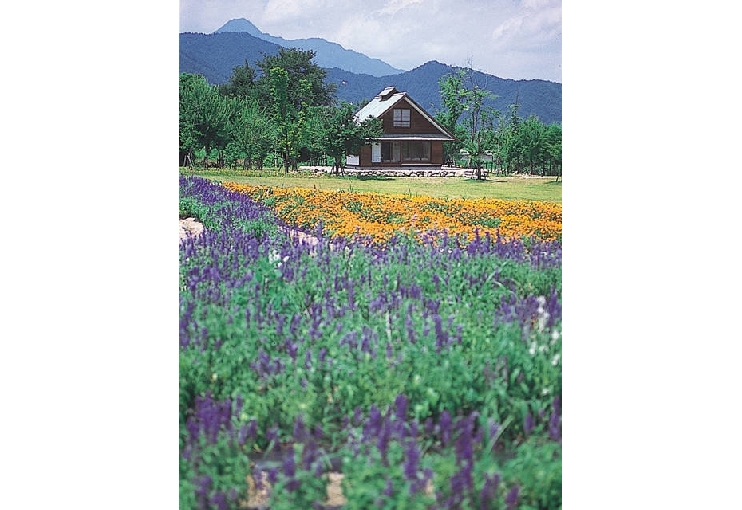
point(418, 123)
point(436, 153)
point(436, 156)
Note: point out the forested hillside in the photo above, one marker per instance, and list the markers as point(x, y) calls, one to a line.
point(216, 55)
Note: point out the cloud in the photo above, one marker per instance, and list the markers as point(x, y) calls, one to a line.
point(507, 38)
point(394, 6)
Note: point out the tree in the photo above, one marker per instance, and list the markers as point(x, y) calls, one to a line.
point(453, 100)
point(533, 144)
point(204, 117)
point(299, 67)
point(553, 143)
point(288, 119)
point(252, 133)
point(465, 114)
point(241, 84)
point(345, 136)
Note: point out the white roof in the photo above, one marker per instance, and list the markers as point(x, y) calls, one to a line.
point(386, 99)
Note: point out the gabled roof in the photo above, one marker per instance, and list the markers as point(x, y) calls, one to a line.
point(387, 99)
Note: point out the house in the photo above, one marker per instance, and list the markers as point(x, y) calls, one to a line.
point(411, 137)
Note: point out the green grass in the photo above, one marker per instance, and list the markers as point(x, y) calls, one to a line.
point(507, 188)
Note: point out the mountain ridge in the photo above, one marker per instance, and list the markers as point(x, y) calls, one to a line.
point(216, 55)
point(328, 53)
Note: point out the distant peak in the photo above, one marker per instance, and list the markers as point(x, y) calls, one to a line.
point(239, 25)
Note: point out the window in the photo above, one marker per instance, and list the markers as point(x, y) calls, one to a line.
point(401, 118)
point(397, 152)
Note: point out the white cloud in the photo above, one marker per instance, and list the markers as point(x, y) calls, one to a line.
point(507, 38)
point(394, 6)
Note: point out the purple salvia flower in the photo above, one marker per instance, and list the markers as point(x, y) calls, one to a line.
point(382, 441)
point(310, 454)
point(257, 476)
point(462, 482)
point(203, 484)
point(273, 475)
point(428, 426)
point(220, 500)
point(289, 467)
point(555, 432)
point(488, 494)
point(412, 458)
point(300, 430)
point(389, 488)
point(512, 498)
point(357, 416)
point(528, 423)
point(400, 404)
point(445, 427)
point(292, 349)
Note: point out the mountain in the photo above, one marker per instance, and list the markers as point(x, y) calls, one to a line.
point(328, 54)
point(539, 97)
point(215, 56)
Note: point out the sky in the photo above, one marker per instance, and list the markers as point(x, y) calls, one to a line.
point(516, 39)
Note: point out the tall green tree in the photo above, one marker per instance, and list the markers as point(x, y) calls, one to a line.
point(299, 68)
point(553, 142)
point(465, 114)
point(533, 144)
point(204, 116)
point(288, 119)
point(453, 103)
point(241, 84)
point(252, 133)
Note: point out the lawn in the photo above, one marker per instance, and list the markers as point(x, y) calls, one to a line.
point(544, 189)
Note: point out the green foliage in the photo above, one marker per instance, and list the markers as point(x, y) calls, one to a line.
point(298, 68)
point(344, 136)
point(514, 144)
point(537, 466)
point(332, 301)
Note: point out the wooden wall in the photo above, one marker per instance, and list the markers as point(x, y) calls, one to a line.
point(418, 123)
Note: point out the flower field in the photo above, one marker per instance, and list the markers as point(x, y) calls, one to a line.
point(423, 367)
point(381, 216)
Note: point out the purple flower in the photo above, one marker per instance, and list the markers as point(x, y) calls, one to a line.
point(257, 475)
point(289, 467)
point(400, 404)
point(528, 423)
point(220, 500)
point(357, 416)
point(412, 458)
point(273, 475)
point(512, 498)
point(203, 484)
point(462, 482)
point(389, 488)
point(300, 430)
point(445, 427)
point(488, 494)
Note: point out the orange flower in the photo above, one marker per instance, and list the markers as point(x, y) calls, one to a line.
point(381, 216)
